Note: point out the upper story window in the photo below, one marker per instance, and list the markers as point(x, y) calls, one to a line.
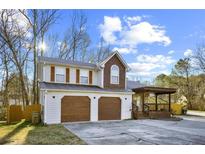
point(60, 74)
point(114, 74)
point(60, 78)
point(84, 79)
point(83, 76)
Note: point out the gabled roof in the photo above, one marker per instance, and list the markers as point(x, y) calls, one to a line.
point(110, 56)
point(60, 61)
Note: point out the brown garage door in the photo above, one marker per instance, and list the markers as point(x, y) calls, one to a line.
point(109, 108)
point(75, 108)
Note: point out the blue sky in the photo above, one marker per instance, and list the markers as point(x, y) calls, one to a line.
point(151, 41)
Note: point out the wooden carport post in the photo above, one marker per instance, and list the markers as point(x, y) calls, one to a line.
point(142, 101)
point(156, 104)
point(169, 102)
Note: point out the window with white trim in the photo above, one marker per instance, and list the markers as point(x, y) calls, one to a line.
point(83, 76)
point(60, 74)
point(84, 79)
point(114, 74)
point(60, 78)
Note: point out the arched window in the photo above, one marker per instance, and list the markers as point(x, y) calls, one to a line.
point(114, 74)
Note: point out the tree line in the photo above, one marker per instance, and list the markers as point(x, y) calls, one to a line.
point(188, 76)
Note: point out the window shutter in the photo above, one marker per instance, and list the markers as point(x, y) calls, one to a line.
point(67, 74)
point(53, 73)
point(77, 76)
point(90, 77)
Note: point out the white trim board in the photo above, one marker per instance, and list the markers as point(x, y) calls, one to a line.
point(79, 91)
point(119, 56)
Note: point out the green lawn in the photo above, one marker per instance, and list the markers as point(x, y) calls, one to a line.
point(26, 133)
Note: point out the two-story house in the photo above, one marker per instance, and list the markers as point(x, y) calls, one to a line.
point(76, 91)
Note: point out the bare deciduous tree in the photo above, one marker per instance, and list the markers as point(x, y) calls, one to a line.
point(200, 57)
point(14, 34)
point(100, 52)
point(40, 21)
point(5, 66)
point(76, 40)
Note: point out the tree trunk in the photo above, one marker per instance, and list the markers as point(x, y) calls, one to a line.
point(34, 55)
point(24, 91)
point(188, 91)
point(6, 97)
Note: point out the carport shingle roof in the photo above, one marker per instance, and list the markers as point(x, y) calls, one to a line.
point(134, 84)
point(63, 86)
point(154, 89)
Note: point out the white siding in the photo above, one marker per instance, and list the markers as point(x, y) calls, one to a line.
point(42, 97)
point(52, 109)
point(42, 102)
point(40, 71)
point(53, 105)
point(94, 108)
point(100, 78)
point(97, 75)
point(72, 75)
point(95, 78)
point(126, 106)
point(46, 73)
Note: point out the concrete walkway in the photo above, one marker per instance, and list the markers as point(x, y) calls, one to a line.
point(196, 113)
point(140, 132)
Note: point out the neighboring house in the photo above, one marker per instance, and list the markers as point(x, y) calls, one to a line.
point(76, 91)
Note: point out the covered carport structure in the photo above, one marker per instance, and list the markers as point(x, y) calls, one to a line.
point(143, 108)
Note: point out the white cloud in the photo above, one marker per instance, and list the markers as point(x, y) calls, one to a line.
point(160, 59)
point(188, 53)
point(128, 33)
point(143, 68)
point(151, 65)
point(147, 75)
point(145, 32)
point(171, 52)
point(125, 50)
point(132, 20)
point(109, 27)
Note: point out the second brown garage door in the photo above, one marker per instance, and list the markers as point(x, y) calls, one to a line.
point(109, 108)
point(75, 108)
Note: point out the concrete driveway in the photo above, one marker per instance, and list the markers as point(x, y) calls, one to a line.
point(141, 132)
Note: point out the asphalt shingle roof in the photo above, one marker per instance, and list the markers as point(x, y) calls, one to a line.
point(62, 86)
point(134, 84)
point(65, 62)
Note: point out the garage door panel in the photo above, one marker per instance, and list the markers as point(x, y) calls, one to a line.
point(75, 108)
point(109, 108)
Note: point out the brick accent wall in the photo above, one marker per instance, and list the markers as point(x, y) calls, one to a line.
point(114, 61)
